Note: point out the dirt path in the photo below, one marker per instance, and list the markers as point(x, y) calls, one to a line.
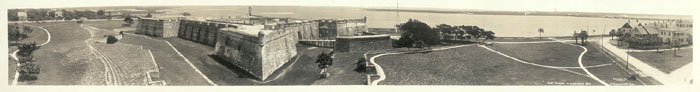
point(14, 54)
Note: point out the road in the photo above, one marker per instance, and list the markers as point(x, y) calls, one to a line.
point(666, 79)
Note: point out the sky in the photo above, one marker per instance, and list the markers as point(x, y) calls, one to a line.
point(678, 7)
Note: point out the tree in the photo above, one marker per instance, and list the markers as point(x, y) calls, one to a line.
point(415, 31)
point(186, 14)
point(575, 37)
point(488, 35)
point(27, 49)
point(675, 46)
point(540, 31)
point(625, 36)
point(474, 31)
point(446, 30)
point(460, 31)
point(100, 12)
point(149, 15)
point(129, 21)
point(583, 35)
point(612, 34)
point(656, 41)
point(324, 61)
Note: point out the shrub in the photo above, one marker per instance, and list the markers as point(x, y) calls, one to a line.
point(28, 71)
point(27, 77)
point(111, 39)
point(29, 68)
point(26, 59)
point(26, 49)
point(361, 65)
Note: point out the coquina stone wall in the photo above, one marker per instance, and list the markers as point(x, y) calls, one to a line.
point(259, 54)
point(331, 28)
point(263, 53)
point(362, 43)
point(158, 27)
point(201, 31)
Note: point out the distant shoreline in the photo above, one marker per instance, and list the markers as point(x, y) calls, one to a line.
point(540, 13)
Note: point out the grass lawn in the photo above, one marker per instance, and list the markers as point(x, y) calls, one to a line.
point(517, 39)
point(300, 72)
point(37, 35)
point(613, 74)
point(130, 62)
point(470, 65)
point(66, 60)
point(665, 61)
point(342, 71)
point(552, 54)
point(110, 25)
point(173, 68)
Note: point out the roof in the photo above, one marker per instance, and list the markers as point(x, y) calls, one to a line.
point(647, 29)
point(627, 25)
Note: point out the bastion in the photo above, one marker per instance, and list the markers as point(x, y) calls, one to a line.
point(257, 49)
point(158, 27)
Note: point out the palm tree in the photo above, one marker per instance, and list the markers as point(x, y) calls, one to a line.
point(612, 34)
point(540, 31)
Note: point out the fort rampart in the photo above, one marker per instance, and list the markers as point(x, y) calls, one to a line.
point(362, 43)
point(158, 27)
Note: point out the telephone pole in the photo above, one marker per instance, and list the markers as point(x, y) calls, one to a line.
point(397, 17)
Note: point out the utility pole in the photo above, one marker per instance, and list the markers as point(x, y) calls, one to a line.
point(397, 17)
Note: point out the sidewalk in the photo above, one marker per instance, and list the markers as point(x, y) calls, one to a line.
point(666, 79)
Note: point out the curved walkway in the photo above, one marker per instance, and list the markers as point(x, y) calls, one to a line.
point(380, 71)
point(580, 62)
point(382, 75)
point(546, 66)
point(14, 54)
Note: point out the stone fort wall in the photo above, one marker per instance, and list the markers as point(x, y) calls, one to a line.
point(259, 54)
point(362, 43)
point(158, 27)
point(331, 28)
point(201, 31)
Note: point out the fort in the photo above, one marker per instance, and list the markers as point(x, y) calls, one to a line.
point(157, 27)
point(362, 43)
point(260, 45)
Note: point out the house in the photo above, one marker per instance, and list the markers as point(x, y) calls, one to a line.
point(666, 31)
point(640, 30)
point(644, 31)
point(58, 14)
point(22, 16)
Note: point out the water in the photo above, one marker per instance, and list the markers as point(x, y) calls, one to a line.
point(502, 25)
